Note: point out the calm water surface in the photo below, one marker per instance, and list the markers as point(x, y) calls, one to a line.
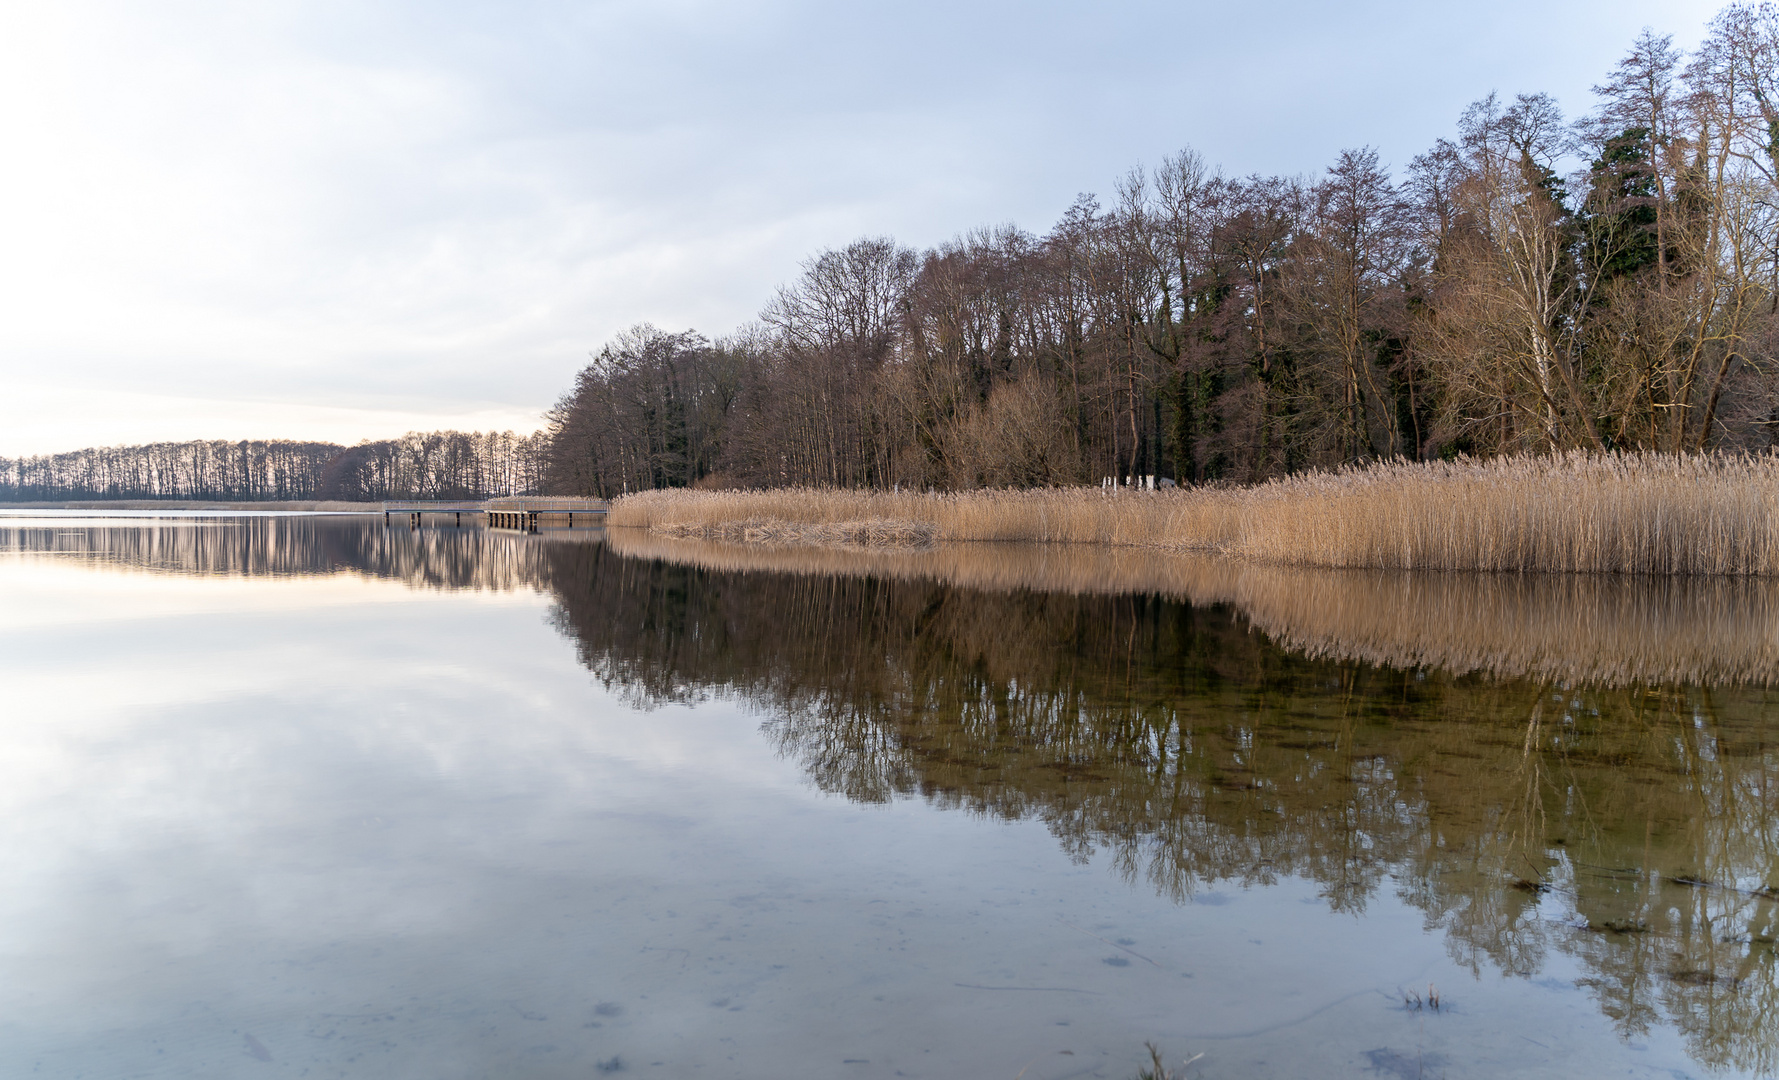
point(290, 796)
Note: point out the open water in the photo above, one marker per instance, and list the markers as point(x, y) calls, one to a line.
point(289, 796)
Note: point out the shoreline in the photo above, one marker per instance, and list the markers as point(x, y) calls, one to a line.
point(288, 506)
point(1569, 513)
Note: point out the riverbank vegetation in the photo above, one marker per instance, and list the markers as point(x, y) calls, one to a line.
point(418, 465)
point(872, 532)
point(1596, 513)
point(1530, 285)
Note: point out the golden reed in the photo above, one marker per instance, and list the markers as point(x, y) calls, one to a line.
point(875, 532)
point(1574, 512)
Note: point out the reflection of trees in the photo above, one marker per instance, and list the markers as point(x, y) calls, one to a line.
point(446, 557)
point(1633, 829)
point(1599, 629)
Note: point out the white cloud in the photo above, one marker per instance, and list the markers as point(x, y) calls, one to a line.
point(38, 416)
point(436, 210)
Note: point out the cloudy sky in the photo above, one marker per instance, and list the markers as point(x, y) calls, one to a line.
point(345, 220)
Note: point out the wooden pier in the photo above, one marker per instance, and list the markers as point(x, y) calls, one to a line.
point(518, 514)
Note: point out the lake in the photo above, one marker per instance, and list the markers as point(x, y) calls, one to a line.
point(308, 796)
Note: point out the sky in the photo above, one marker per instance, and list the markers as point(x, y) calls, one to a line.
point(347, 219)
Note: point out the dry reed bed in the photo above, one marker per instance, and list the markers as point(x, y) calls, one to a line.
point(873, 532)
point(1601, 513)
point(1599, 630)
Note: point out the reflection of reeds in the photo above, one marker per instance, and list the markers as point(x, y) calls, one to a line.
point(1065, 568)
point(1610, 630)
point(1614, 513)
point(1574, 629)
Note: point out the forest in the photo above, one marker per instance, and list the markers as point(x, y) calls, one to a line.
point(418, 465)
point(1533, 283)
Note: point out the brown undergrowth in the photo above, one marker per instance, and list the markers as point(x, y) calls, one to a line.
point(1598, 513)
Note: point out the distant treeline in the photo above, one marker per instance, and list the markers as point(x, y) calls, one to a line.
point(419, 465)
point(1207, 327)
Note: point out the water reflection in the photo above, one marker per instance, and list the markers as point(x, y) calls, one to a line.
point(1550, 767)
point(1632, 828)
point(290, 546)
point(1597, 629)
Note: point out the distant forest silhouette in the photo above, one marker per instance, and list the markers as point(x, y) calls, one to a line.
point(419, 465)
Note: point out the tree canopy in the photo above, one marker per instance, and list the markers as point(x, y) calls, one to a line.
point(1531, 283)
